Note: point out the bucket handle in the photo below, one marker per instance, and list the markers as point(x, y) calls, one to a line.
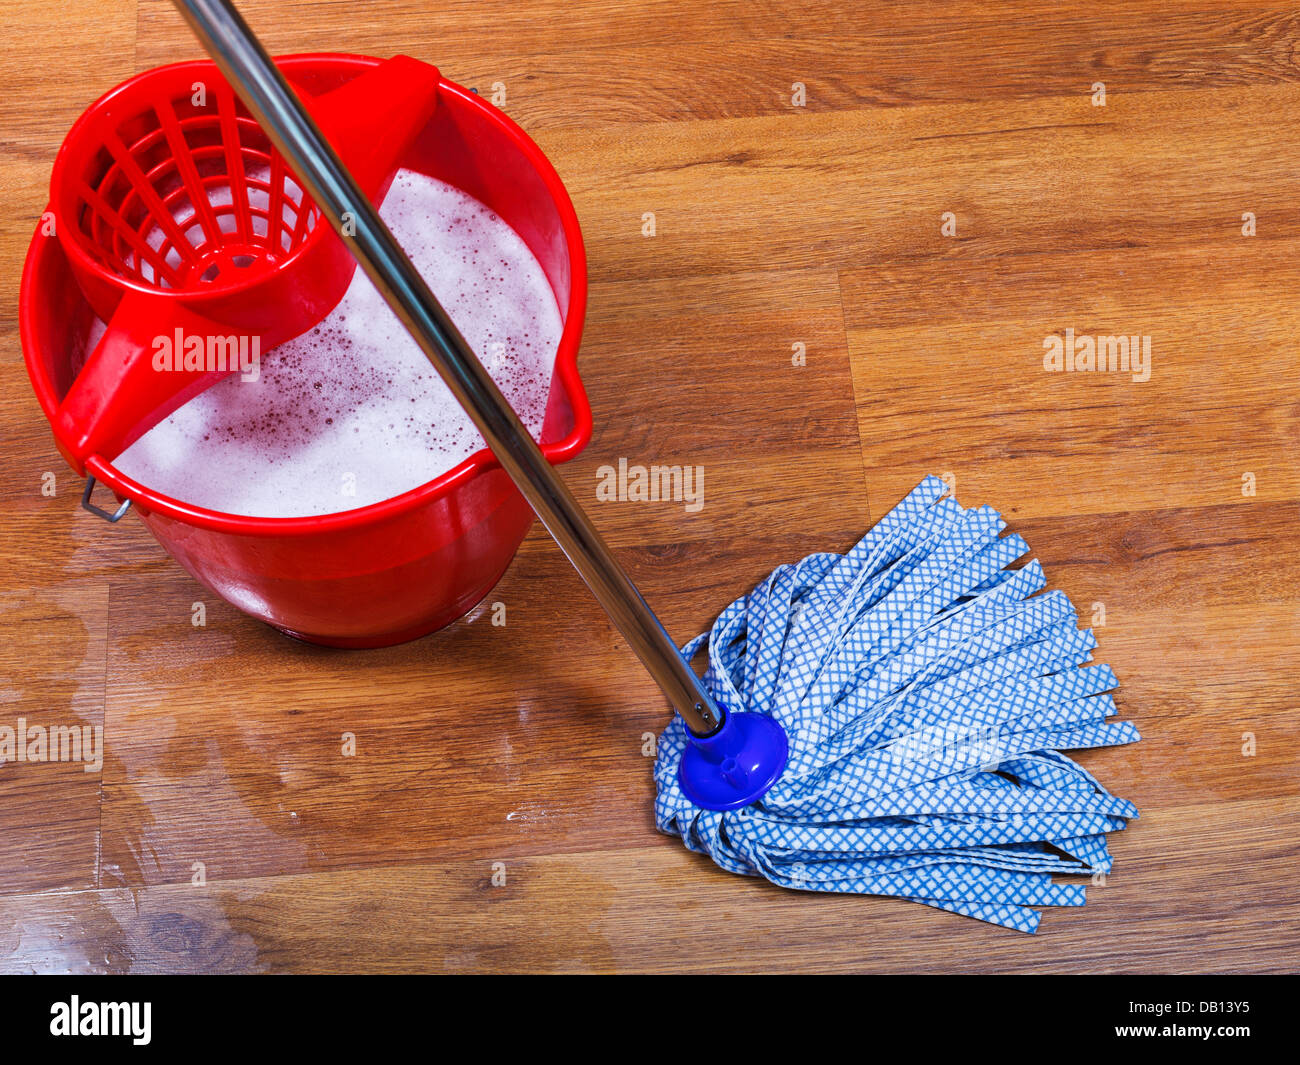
point(112, 518)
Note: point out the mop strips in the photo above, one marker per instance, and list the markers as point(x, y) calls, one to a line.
point(927, 693)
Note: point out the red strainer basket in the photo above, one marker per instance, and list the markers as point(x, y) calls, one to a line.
point(184, 226)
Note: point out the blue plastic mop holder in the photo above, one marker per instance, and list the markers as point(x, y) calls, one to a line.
point(735, 765)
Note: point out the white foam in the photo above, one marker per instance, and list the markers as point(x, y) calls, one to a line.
point(353, 405)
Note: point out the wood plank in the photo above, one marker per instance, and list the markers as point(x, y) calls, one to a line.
point(93, 41)
point(1035, 441)
point(815, 191)
point(51, 734)
point(680, 370)
point(589, 66)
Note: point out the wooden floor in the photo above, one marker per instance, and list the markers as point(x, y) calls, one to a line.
point(486, 753)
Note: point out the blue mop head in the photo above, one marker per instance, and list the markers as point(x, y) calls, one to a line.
point(927, 693)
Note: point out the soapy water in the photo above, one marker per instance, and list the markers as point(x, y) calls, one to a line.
point(351, 412)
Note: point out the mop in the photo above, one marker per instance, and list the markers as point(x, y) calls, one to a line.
point(885, 722)
point(925, 690)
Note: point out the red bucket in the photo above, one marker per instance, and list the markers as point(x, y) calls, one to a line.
point(403, 567)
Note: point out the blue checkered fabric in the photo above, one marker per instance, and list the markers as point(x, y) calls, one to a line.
point(927, 692)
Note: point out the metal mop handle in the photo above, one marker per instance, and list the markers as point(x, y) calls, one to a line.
point(245, 64)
